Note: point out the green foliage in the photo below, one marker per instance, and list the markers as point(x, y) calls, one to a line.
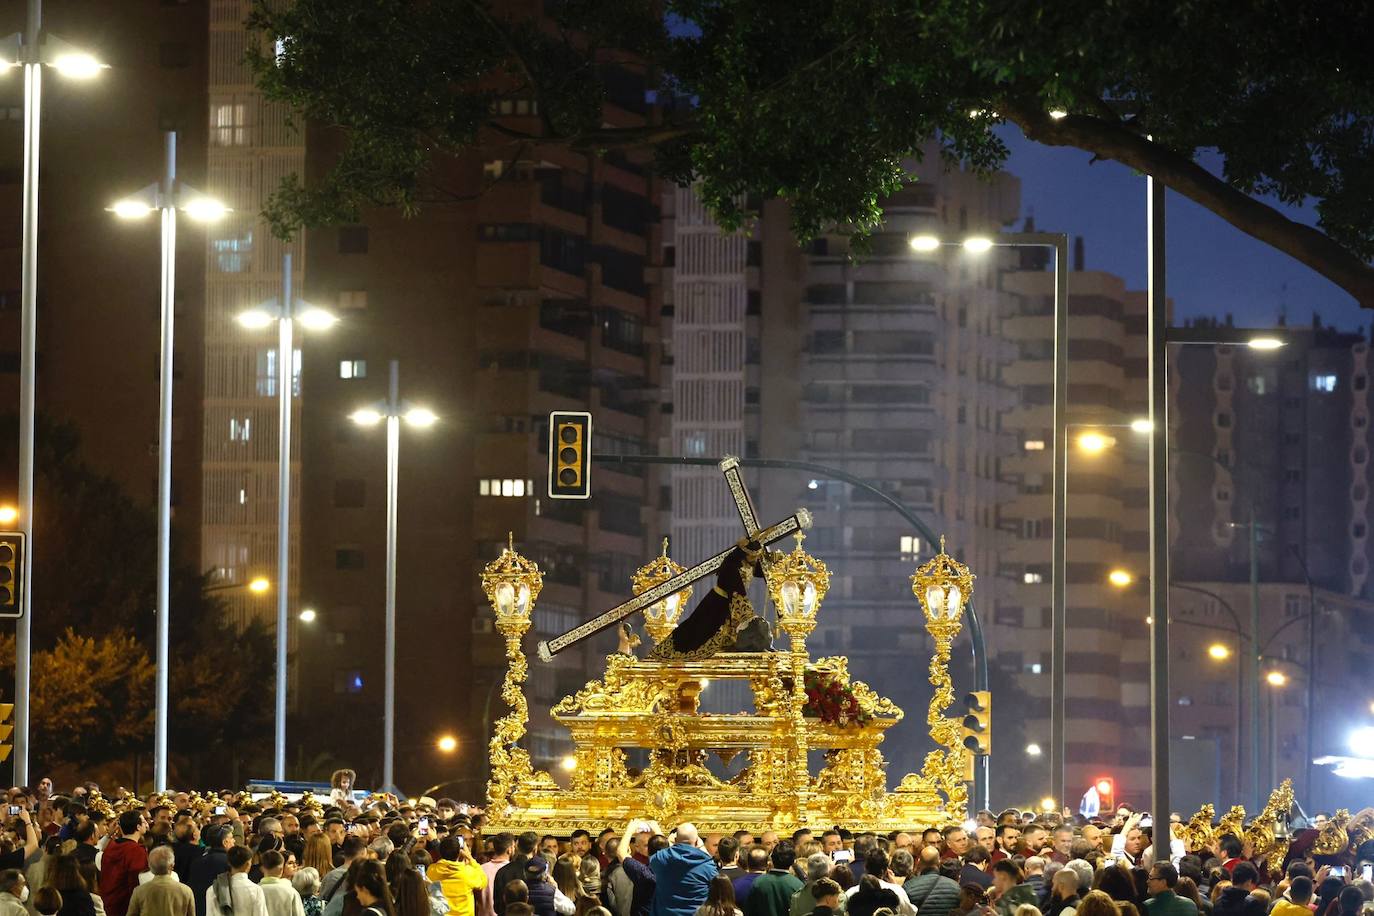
point(821, 102)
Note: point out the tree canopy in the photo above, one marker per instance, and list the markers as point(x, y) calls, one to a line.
point(820, 102)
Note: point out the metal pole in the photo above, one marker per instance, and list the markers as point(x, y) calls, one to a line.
point(393, 448)
point(1059, 548)
point(1256, 793)
point(1158, 306)
point(975, 628)
point(28, 359)
point(167, 205)
point(286, 365)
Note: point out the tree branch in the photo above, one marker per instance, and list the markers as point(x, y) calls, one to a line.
point(1180, 173)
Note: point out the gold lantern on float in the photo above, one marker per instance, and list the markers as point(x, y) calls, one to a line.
point(512, 584)
point(797, 583)
point(661, 617)
point(943, 587)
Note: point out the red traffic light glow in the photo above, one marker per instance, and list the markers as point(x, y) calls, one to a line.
point(1104, 787)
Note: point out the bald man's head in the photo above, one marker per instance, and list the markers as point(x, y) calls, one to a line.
point(687, 834)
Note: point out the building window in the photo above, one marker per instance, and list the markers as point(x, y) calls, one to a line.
point(1293, 606)
point(240, 430)
point(353, 299)
point(1034, 445)
point(233, 254)
point(910, 546)
point(348, 680)
point(350, 493)
point(1032, 578)
point(505, 486)
point(352, 368)
point(1325, 383)
point(1223, 496)
point(348, 558)
point(493, 169)
point(353, 240)
point(229, 124)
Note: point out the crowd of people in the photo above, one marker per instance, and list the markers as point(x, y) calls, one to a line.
point(233, 854)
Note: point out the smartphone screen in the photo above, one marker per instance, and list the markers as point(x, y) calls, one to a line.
point(14, 810)
point(1338, 871)
point(424, 826)
point(221, 810)
point(1367, 871)
point(462, 843)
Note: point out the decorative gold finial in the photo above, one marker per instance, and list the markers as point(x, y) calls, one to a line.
point(665, 548)
point(510, 541)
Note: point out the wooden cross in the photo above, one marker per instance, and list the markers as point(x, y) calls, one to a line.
point(765, 536)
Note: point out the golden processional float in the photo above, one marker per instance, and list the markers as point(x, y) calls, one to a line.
point(800, 705)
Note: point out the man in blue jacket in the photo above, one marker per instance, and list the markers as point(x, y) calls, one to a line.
point(682, 874)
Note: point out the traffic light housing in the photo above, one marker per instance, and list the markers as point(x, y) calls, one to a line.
point(6, 710)
point(570, 455)
point(1106, 793)
point(977, 725)
point(11, 574)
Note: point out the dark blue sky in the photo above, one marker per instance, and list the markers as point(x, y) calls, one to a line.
point(1213, 268)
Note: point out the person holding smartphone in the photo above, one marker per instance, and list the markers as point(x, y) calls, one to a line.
point(458, 875)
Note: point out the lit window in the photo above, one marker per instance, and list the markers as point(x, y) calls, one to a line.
point(1325, 383)
point(353, 368)
point(493, 169)
point(1032, 578)
point(240, 430)
point(1035, 445)
point(353, 299)
point(1034, 668)
point(910, 546)
point(234, 253)
point(484, 487)
point(508, 486)
point(229, 124)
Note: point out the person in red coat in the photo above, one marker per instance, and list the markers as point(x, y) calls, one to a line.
point(123, 861)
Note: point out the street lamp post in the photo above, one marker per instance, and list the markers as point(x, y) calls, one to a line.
point(393, 410)
point(166, 196)
point(24, 49)
point(285, 315)
point(1059, 243)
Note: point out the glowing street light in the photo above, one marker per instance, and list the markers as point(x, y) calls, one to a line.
point(1047, 804)
point(1142, 425)
point(1095, 442)
point(1276, 678)
point(307, 615)
point(977, 244)
point(568, 764)
point(1264, 343)
point(1120, 578)
point(447, 744)
point(8, 515)
point(1362, 741)
point(393, 410)
point(1218, 651)
point(1033, 750)
point(924, 243)
point(259, 585)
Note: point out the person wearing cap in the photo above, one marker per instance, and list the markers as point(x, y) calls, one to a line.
point(458, 876)
point(543, 893)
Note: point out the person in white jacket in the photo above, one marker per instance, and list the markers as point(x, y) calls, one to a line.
point(244, 897)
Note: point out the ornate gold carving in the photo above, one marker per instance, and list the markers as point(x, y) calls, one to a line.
point(1333, 838)
point(1197, 834)
point(1263, 834)
point(661, 616)
point(1231, 821)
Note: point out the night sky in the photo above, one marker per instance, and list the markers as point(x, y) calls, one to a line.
point(1213, 268)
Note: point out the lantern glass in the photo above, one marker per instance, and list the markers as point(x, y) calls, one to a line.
point(523, 602)
point(790, 596)
point(672, 603)
point(953, 602)
point(505, 597)
point(935, 600)
point(809, 600)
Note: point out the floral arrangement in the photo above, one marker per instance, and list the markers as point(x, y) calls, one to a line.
point(830, 699)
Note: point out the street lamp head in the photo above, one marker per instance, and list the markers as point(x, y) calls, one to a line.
point(1047, 804)
point(129, 208)
point(1142, 425)
point(205, 209)
point(421, 417)
point(1276, 678)
point(317, 319)
point(308, 615)
point(1058, 114)
point(977, 244)
point(1264, 343)
point(255, 319)
point(568, 764)
point(447, 744)
point(366, 416)
point(259, 585)
point(78, 65)
point(1033, 750)
point(8, 515)
point(924, 243)
point(1093, 442)
point(1120, 578)
point(1218, 651)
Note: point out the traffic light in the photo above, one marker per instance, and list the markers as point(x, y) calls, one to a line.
point(1106, 794)
point(570, 455)
point(6, 710)
point(977, 728)
point(11, 573)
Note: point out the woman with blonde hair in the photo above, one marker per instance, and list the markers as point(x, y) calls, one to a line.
point(319, 854)
point(1098, 903)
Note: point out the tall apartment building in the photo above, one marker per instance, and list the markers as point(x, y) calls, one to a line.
point(251, 149)
point(1107, 672)
point(1279, 440)
point(886, 367)
point(530, 297)
point(98, 281)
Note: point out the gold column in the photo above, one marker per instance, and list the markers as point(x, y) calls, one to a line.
point(512, 584)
